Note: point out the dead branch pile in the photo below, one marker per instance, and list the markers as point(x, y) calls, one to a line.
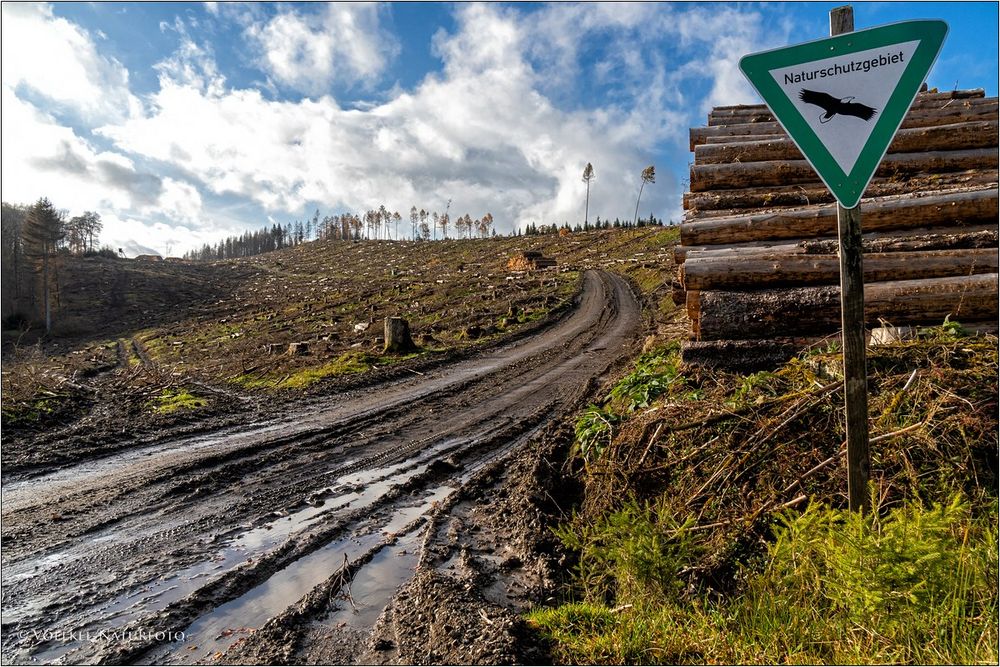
point(751, 446)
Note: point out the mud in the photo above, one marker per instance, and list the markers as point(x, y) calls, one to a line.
point(400, 523)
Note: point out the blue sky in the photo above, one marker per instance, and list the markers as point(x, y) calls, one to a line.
point(182, 123)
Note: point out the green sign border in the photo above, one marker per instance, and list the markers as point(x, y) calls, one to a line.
point(848, 188)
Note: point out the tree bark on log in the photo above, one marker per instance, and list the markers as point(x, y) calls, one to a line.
point(924, 238)
point(883, 214)
point(397, 336)
point(781, 270)
point(809, 311)
point(784, 172)
point(916, 118)
point(719, 141)
point(692, 304)
point(733, 202)
point(727, 115)
point(744, 356)
point(751, 356)
point(957, 136)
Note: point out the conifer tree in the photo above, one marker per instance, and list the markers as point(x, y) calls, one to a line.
point(43, 229)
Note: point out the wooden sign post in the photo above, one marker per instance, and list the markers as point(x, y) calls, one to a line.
point(841, 100)
point(852, 304)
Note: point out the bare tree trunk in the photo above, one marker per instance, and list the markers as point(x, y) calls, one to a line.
point(45, 290)
point(738, 175)
point(735, 271)
point(956, 136)
point(635, 218)
point(884, 214)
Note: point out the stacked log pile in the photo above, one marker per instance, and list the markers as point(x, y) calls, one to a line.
point(529, 260)
point(758, 265)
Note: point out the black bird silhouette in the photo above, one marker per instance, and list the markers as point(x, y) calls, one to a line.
point(833, 106)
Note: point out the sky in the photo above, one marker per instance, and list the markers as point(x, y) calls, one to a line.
point(183, 123)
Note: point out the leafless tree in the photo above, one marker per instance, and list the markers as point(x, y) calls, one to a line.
point(648, 176)
point(588, 176)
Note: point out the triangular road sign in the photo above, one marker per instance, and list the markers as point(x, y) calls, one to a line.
point(842, 99)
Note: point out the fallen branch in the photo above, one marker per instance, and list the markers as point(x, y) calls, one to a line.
point(649, 446)
point(843, 450)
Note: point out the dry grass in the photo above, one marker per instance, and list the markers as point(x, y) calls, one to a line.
point(729, 451)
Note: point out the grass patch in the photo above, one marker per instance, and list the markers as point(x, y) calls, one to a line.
point(913, 584)
point(648, 280)
point(345, 364)
point(668, 237)
point(171, 400)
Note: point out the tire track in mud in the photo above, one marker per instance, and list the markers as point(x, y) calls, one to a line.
point(184, 532)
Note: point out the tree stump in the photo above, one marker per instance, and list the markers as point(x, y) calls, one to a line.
point(296, 349)
point(397, 336)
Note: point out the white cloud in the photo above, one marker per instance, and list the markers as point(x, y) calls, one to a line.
point(343, 42)
point(180, 202)
point(43, 158)
point(480, 133)
point(489, 131)
point(59, 61)
point(191, 65)
point(140, 236)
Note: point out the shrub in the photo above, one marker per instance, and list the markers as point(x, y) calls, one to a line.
point(913, 584)
point(594, 431)
point(630, 554)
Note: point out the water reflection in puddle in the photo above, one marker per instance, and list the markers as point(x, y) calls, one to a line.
point(221, 628)
point(350, 492)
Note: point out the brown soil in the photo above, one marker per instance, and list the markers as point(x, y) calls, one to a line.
point(288, 540)
point(130, 333)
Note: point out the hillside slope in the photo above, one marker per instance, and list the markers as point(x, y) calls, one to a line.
point(141, 346)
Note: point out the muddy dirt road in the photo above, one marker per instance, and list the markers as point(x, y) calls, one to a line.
point(289, 541)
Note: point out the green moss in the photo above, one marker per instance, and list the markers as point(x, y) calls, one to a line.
point(345, 364)
point(172, 400)
point(251, 381)
point(29, 413)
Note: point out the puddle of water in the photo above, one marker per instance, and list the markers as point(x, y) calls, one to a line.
point(109, 464)
point(246, 545)
point(216, 631)
point(158, 595)
point(375, 583)
point(219, 634)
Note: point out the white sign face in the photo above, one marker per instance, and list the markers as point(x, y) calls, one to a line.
point(841, 97)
